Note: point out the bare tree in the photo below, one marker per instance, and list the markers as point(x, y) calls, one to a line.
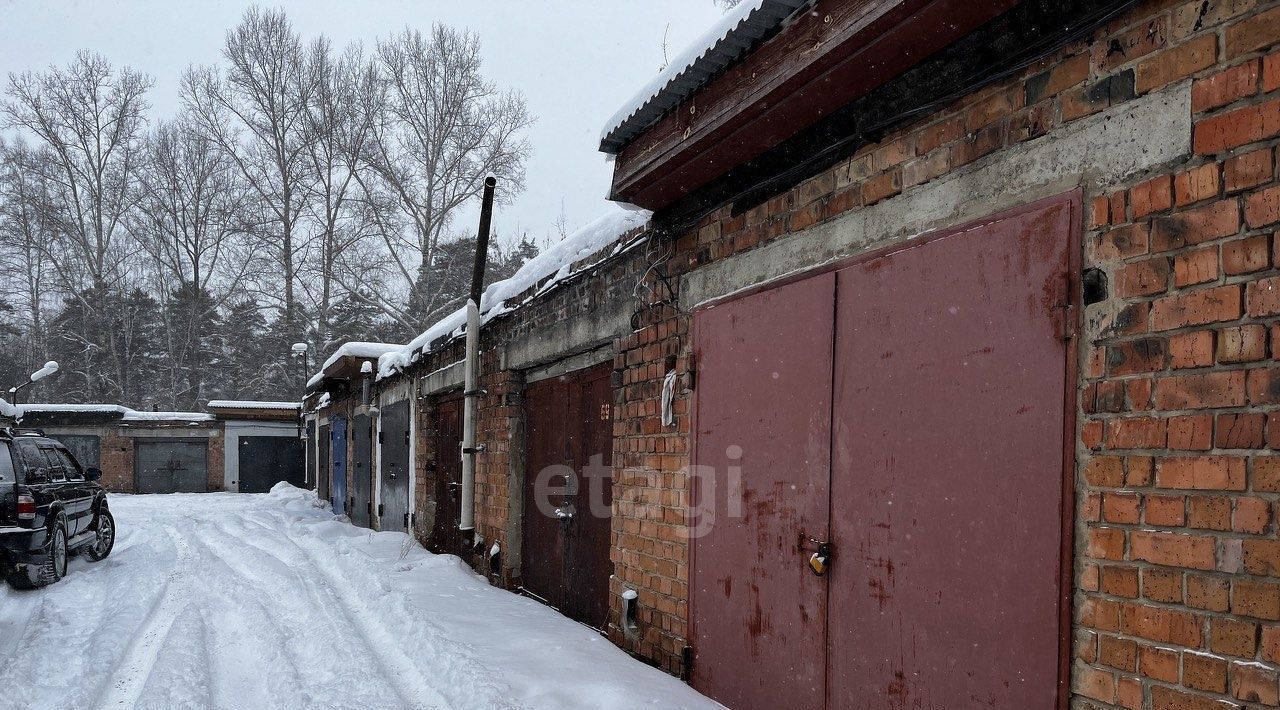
point(257, 115)
point(90, 118)
point(189, 219)
point(344, 105)
point(27, 225)
point(444, 128)
point(191, 205)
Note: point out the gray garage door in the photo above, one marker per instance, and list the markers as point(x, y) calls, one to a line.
point(87, 448)
point(171, 466)
point(268, 460)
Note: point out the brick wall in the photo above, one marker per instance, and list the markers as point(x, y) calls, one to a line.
point(116, 458)
point(1177, 598)
point(1177, 569)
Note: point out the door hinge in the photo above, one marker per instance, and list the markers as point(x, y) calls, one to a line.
point(406, 438)
point(691, 373)
point(1069, 327)
point(1067, 310)
point(406, 521)
point(380, 510)
point(380, 439)
point(686, 663)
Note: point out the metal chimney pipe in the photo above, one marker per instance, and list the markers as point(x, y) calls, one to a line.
point(466, 518)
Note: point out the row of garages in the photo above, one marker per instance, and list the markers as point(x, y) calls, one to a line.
point(897, 400)
point(395, 464)
point(245, 447)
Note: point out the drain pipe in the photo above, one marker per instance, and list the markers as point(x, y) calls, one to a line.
point(472, 393)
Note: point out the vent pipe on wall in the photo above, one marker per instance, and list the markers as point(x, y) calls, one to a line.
point(472, 393)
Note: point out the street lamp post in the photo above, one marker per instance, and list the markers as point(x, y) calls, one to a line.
point(49, 368)
point(301, 351)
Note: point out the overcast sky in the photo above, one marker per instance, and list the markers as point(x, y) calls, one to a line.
point(576, 61)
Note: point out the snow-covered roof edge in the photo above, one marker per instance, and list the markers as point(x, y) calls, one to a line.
point(724, 44)
point(352, 349)
point(250, 404)
point(556, 262)
point(127, 414)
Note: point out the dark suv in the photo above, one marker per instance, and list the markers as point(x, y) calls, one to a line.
point(50, 507)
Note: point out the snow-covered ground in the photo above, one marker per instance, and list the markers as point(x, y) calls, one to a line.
point(267, 601)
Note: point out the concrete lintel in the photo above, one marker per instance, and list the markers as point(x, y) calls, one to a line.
point(571, 363)
point(590, 330)
point(1097, 151)
point(447, 377)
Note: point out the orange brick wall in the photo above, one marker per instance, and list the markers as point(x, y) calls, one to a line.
point(1177, 567)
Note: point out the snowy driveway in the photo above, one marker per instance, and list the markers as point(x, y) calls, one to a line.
point(265, 601)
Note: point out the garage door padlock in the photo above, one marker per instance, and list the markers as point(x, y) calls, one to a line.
point(820, 560)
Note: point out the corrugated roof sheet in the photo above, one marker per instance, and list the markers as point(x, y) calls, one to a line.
point(722, 45)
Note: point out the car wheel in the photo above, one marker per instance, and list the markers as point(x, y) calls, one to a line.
point(105, 539)
point(55, 565)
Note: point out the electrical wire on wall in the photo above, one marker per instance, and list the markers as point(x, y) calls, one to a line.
point(654, 289)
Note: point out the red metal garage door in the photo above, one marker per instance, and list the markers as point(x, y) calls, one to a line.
point(947, 436)
point(565, 540)
point(445, 536)
point(949, 416)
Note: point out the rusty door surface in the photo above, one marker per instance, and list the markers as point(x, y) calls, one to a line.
point(393, 500)
point(947, 475)
point(587, 563)
point(762, 463)
point(448, 476)
point(568, 493)
point(361, 471)
point(547, 461)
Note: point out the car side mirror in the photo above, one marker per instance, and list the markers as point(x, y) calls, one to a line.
point(38, 475)
point(92, 473)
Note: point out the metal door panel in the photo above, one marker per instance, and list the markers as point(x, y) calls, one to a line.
point(948, 470)
point(323, 445)
point(763, 405)
point(361, 469)
point(395, 467)
point(309, 454)
point(448, 476)
point(338, 466)
point(86, 448)
point(171, 466)
point(265, 461)
point(546, 445)
point(587, 534)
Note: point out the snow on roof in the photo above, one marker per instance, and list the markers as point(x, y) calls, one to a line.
point(730, 38)
point(250, 404)
point(353, 349)
point(556, 262)
point(127, 414)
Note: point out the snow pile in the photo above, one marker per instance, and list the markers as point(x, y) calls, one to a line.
point(7, 410)
point(126, 414)
point(226, 600)
point(714, 41)
point(556, 262)
point(354, 349)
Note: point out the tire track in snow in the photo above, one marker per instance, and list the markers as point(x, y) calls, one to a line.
point(130, 676)
point(399, 670)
